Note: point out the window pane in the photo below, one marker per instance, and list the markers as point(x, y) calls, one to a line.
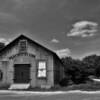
point(42, 73)
point(42, 65)
point(41, 69)
point(22, 46)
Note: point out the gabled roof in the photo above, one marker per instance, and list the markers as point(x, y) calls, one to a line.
point(32, 41)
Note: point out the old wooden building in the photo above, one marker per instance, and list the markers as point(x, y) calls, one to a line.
point(24, 61)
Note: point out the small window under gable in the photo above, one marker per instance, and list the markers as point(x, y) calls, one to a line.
point(22, 46)
point(41, 69)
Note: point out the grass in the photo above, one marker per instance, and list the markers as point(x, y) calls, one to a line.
point(65, 96)
point(4, 86)
point(89, 86)
point(83, 87)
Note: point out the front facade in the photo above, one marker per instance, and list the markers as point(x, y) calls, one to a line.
point(25, 61)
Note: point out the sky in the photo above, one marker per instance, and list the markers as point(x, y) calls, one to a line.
point(68, 27)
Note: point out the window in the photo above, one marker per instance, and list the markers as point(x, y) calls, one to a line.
point(41, 69)
point(22, 46)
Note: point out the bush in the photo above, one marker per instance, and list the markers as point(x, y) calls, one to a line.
point(64, 82)
point(4, 86)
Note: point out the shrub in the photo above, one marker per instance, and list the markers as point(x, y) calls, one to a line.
point(4, 86)
point(64, 82)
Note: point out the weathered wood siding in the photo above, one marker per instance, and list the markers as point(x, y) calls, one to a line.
point(58, 71)
point(39, 54)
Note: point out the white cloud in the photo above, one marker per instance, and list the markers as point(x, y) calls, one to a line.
point(54, 40)
point(3, 40)
point(63, 52)
point(83, 29)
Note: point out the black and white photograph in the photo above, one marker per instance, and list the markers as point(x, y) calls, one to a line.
point(49, 49)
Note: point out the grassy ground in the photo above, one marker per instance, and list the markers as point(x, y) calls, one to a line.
point(67, 96)
point(89, 86)
point(83, 87)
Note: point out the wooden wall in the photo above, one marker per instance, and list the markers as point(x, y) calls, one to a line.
point(39, 54)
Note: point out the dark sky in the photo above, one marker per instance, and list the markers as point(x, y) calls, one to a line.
point(70, 27)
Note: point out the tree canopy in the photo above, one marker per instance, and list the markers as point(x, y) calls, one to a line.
point(80, 70)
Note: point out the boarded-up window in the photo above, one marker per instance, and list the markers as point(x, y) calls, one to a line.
point(41, 69)
point(22, 46)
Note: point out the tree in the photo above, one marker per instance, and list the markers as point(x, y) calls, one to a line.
point(92, 62)
point(74, 69)
point(80, 70)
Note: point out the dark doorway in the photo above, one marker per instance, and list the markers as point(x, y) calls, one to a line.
point(21, 73)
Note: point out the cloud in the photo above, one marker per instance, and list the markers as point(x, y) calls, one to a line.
point(63, 52)
point(6, 41)
point(54, 40)
point(3, 40)
point(83, 29)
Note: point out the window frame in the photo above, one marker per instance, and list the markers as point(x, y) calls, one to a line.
point(41, 60)
point(20, 51)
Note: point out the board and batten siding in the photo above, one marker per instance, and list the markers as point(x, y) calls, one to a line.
point(7, 65)
point(58, 71)
point(42, 54)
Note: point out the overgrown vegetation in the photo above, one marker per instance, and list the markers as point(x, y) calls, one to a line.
point(79, 71)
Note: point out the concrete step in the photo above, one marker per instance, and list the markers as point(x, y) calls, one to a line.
point(19, 86)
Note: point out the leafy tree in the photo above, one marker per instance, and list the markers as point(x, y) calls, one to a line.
point(79, 70)
point(74, 69)
point(93, 64)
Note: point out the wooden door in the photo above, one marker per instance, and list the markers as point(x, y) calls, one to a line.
point(21, 73)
